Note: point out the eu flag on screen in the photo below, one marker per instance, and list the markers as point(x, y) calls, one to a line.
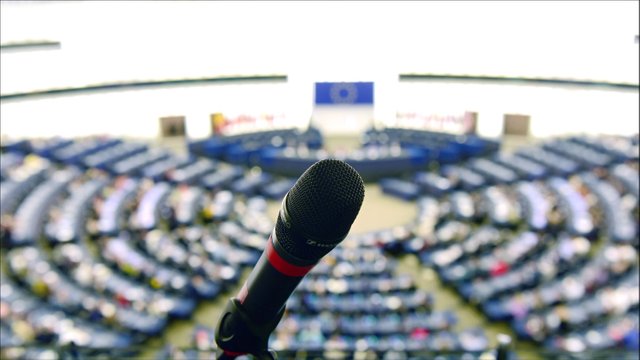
point(344, 93)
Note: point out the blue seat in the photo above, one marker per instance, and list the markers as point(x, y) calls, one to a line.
point(433, 184)
point(76, 152)
point(497, 173)
point(132, 166)
point(30, 216)
point(158, 170)
point(18, 146)
point(10, 160)
point(448, 154)
point(111, 213)
point(471, 146)
point(251, 184)
point(588, 157)
point(278, 189)
point(403, 189)
point(628, 177)
point(557, 164)
point(464, 178)
point(575, 207)
point(192, 173)
point(534, 205)
point(48, 147)
point(104, 158)
point(621, 227)
point(619, 149)
point(71, 224)
point(14, 190)
point(147, 215)
point(221, 178)
point(527, 169)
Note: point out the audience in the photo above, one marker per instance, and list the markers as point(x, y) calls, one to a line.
point(107, 241)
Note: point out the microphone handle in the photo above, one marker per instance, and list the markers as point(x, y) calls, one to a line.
point(250, 317)
point(270, 284)
point(237, 334)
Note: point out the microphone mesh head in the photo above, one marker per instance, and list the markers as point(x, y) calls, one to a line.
point(323, 204)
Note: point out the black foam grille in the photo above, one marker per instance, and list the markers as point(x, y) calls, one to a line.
point(323, 204)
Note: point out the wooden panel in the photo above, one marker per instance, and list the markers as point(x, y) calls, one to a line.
point(516, 124)
point(172, 126)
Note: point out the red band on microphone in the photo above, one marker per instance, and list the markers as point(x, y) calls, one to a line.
point(232, 353)
point(282, 265)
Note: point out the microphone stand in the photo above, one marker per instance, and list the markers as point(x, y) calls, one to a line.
point(237, 335)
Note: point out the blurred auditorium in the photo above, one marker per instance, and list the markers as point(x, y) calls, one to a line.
point(147, 147)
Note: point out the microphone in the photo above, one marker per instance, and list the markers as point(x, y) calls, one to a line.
point(315, 216)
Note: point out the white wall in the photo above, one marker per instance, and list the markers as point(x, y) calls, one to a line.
point(553, 110)
point(318, 41)
point(342, 120)
point(135, 113)
point(112, 40)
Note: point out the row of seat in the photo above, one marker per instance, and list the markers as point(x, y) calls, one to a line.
point(395, 155)
point(119, 158)
point(372, 163)
point(614, 262)
point(568, 282)
point(544, 206)
point(243, 149)
point(347, 304)
point(354, 300)
point(526, 164)
point(617, 298)
point(440, 147)
point(126, 287)
point(28, 320)
point(121, 263)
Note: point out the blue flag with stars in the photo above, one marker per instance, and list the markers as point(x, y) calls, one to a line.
point(344, 93)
